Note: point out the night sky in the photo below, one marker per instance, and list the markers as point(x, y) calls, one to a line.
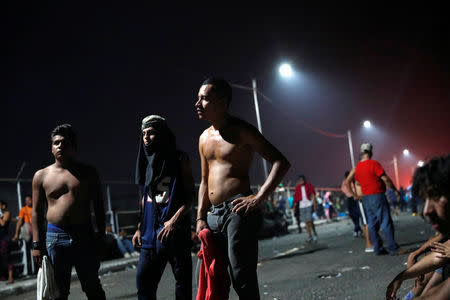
point(103, 68)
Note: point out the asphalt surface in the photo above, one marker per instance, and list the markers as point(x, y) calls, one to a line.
point(336, 267)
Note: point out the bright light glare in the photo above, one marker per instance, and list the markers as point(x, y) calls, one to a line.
point(406, 152)
point(285, 70)
point(367, 124)
point(420, 163)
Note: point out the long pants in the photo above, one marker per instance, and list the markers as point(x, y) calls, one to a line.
point(153, 262)
point(66, 250)
point(378, 215)
point(354, 213)
point(236, 236)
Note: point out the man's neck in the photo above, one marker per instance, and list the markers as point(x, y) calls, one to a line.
point(365, 157)
point(64, 163)
point(220, 122)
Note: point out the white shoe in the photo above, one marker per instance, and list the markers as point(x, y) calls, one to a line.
point(127, 255)
point(369, 249)
point(315, 238)
point(355, 234)
point(135, 254)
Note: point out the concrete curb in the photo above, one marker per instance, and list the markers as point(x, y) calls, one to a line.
point(25, 285)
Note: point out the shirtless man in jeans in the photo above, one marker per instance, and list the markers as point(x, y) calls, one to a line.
point(226, 151)
point(68, 187)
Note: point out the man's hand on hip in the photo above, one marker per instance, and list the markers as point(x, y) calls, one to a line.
point(243, 205)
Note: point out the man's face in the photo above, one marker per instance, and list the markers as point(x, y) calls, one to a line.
point(301, 181)
point(28, 201)
point(62, 147)
point(208, 106)
point(437, 209)
point(148, 135)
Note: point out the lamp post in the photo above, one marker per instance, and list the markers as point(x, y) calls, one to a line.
point(258, 120)
point(366, 124)
point(285, 71)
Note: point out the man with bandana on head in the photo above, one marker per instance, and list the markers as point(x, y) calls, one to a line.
point(164, 232)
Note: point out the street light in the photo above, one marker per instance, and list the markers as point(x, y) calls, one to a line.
point(285, 70)
point(406, 152)
point(420, 163)
point(367, 124)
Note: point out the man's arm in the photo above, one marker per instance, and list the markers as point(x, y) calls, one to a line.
point(347, 183)
point(280, 166)
point(5, 218)
point(98, 205)
point(427, 264)
point(412, 258)
point(388, 182)
point(18, 226)
point(203, 199)
point(188, 187)
point(37, 213)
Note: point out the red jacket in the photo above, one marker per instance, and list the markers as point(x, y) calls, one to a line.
point(214, 282)
point(309, 189)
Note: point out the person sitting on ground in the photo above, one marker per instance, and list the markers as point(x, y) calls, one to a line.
point(125, 245)
point(431, 183)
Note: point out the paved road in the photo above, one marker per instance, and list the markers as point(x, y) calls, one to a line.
point(337, 269)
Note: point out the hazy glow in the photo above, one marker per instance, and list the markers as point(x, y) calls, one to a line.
point(406, 152)
point(285, 70)
point(420, 163)
point(367, 124)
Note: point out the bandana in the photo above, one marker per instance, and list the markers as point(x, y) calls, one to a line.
point(157, 160)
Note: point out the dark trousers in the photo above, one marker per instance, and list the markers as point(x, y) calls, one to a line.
point(354, 213)
point(152, 264)
point(236, 236)
point(378, 215)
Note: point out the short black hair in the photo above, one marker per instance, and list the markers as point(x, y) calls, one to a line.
point(220, 87)
point(346, 173)
point(28, 195)
point(433, 179)
point(301, 176)
point(3, 203)
point(67, 132)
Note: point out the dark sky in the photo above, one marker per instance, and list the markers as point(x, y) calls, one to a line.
point(102, 68)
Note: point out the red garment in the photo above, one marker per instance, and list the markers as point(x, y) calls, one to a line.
point(214, 282)
point(309, 189)
point(368, 173)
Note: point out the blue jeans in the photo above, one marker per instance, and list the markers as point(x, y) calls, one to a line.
point(125, 245)
point(66, 250)
point(378, 214)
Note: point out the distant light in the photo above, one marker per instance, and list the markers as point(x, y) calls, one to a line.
point(420, 163)
point(406, 152)
point(286, 70)
point(367, 124)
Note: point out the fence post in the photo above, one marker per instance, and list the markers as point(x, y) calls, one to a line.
point(110, 212)
point(19, 194)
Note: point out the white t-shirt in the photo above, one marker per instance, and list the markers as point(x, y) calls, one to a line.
point(305, 202)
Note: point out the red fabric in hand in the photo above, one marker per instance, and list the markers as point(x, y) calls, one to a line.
point(214, 281)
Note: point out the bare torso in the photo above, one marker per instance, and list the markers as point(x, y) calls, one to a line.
point(228, 160)
point(68, 194)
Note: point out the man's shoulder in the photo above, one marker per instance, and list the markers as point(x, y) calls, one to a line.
point(41, 173)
